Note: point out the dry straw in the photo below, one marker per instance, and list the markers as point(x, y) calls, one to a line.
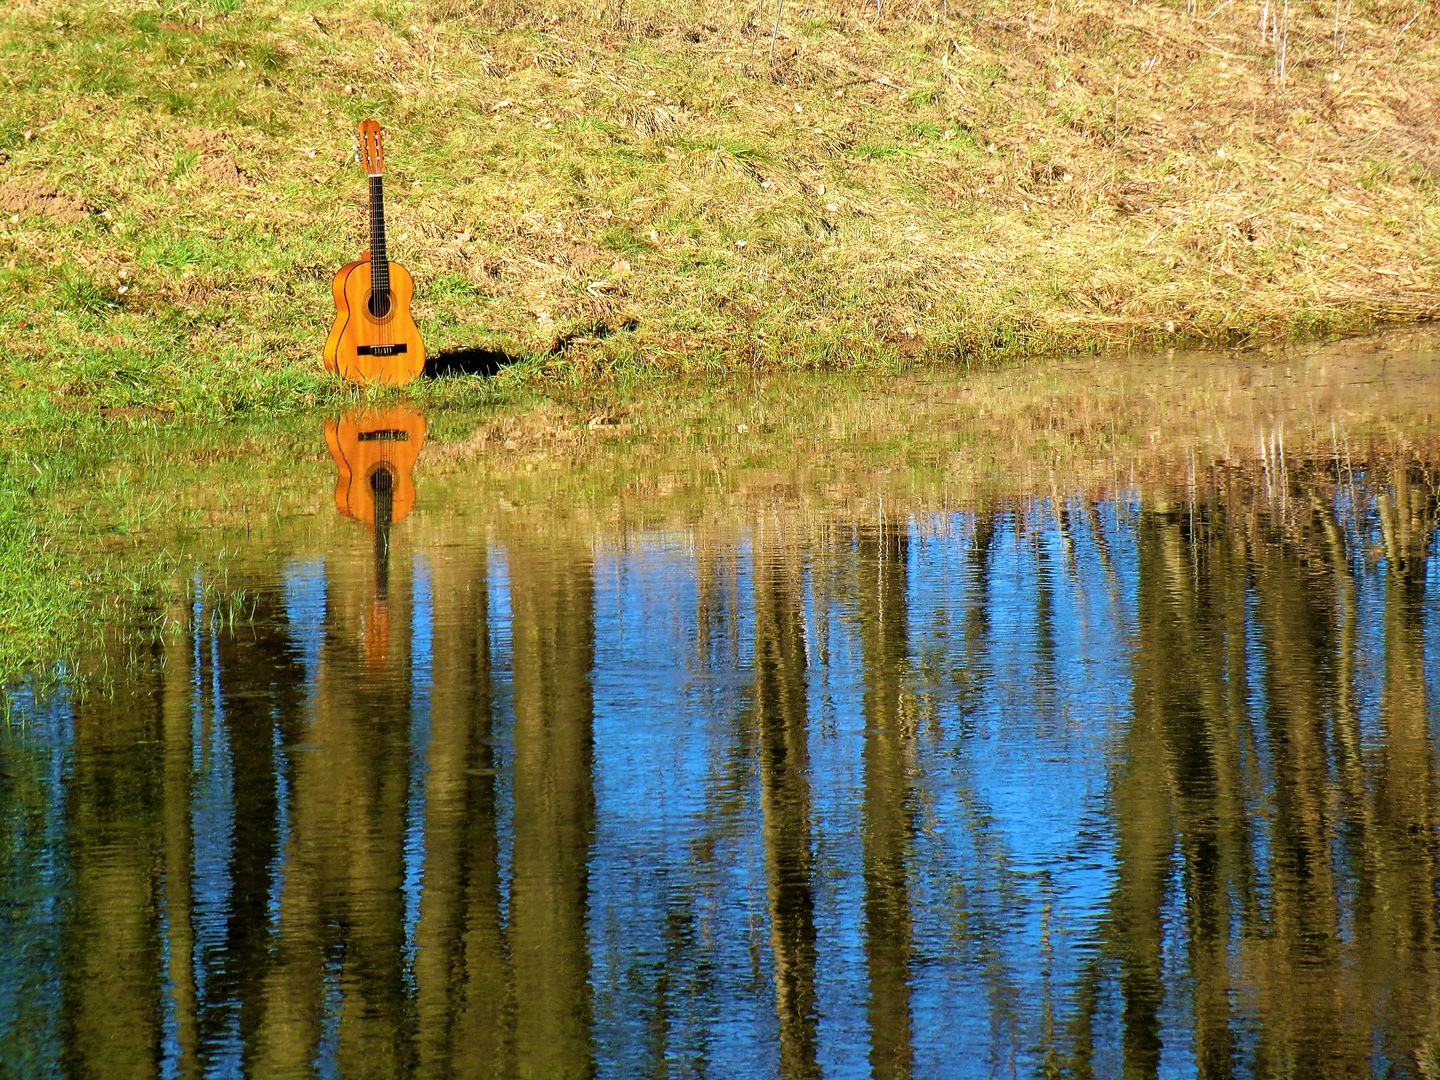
point(723, 185)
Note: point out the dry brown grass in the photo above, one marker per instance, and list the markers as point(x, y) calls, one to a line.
point(638, 186)
point(995, 181)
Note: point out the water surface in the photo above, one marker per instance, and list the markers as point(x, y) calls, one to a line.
point(1077, 723)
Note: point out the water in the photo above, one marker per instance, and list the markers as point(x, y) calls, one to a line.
point(625, 753)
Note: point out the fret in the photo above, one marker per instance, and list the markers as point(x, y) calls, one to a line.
point(379, 263)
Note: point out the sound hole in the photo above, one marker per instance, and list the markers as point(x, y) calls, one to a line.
point(379, 304)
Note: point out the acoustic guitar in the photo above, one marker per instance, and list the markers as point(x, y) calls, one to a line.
point(374, 339)
point(375, 452)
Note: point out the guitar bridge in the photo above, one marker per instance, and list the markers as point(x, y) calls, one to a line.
point(380, 350)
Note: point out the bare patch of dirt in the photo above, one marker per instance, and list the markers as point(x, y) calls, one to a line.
point(206, 140)
point(584, 254)
point(222, 171)
point(906, 341)
point(216, 164)
point(41, 198)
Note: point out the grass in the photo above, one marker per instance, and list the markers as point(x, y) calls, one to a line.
point(97, 529)
point(55, 587)
point(610, 188)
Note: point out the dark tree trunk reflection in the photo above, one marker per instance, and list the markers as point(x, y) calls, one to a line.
point(780, 703)
point(881, 594)
point(552, 603)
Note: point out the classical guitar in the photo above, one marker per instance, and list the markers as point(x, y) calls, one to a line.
point(374, 339)
point(375, 454)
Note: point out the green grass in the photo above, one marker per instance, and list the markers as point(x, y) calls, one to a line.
point(67, 574)
point(98, 524)
point(35, 603)
point(1112, 176)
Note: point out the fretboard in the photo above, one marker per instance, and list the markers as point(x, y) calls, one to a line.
point(379, 264)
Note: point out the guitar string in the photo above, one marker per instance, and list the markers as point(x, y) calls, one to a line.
point(374, 251)
point(386, 289)
point(381, 303)
point(372, 301)
point(387, 295)
point(374, 246)
point(381, 268)
point(377, 291)
point(377, 258)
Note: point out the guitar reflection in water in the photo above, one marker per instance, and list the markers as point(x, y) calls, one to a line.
point(375, 452)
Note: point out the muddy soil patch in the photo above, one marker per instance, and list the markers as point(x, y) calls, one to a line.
point(41, 198)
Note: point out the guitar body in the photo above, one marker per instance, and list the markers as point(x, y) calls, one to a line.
point(367, 441)
point(374, 339)
point(369, 346)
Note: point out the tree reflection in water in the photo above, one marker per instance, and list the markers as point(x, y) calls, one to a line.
point(1084, 786)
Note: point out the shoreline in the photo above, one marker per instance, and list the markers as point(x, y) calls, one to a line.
point(615, 195)
point(99, 523)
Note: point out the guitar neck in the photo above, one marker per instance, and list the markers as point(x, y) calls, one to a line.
point(379, 264)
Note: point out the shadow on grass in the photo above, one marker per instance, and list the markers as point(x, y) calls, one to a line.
point(488, 362)
point(467, 362)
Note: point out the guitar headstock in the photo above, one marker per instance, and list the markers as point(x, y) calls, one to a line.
point(372, 150)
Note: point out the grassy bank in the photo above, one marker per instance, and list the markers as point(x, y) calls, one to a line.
point(102, 520)
point(633, 187)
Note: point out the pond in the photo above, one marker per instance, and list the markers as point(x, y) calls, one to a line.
point(1079, 719)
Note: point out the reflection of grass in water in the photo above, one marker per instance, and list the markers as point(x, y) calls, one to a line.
point(34, 601)
point(96, 533)
point(99, 511)
point(59, 591)
point(1027, 429)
